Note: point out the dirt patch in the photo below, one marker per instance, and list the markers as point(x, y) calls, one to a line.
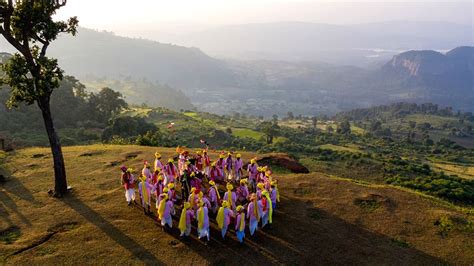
point(283, 160)
point(370, 202)
point(90, 153)
point(131, 155)
point(38, 155)
point(63, 227)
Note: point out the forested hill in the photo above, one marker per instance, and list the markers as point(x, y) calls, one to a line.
point(400, 110)
point(447, 79)
point(142, 91)
point(136, 91)
point(105, 54)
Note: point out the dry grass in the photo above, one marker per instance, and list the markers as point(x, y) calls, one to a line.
point(317, 214)
point(463, 171)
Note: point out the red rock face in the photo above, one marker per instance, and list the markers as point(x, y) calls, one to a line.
point(283, 160)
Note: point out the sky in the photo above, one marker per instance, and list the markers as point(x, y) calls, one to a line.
point(129, 17)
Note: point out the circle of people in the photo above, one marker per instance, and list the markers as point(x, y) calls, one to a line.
point(249, 200)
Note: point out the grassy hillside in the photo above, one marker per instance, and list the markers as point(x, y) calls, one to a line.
point(142, 92)
point(345, 222)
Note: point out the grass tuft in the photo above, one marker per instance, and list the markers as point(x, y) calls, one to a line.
point(10, 235)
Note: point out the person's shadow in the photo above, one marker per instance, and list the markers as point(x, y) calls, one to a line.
point(111, 231)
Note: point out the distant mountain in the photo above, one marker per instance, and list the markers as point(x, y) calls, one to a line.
point(267, 87)
point(446, 79)
point(103, 54)
point(359, 44)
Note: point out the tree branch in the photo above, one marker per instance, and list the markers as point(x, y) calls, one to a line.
point(43, 50)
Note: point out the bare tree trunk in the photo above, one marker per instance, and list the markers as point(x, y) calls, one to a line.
point(60, 182)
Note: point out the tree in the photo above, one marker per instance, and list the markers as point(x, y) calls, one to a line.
point(270, 130)
point(344, 128)
point(375, 126)
point(107, 103)
point(275, 119)
point(32, 76)
point(290, 115)
point(330, 129)
point(314, 119)
point(127, 127)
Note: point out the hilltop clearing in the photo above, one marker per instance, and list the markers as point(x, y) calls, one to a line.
point(321, 219)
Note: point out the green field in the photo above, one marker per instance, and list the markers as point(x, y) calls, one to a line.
point(247, 133)
point(190, 114)
point(348, 148)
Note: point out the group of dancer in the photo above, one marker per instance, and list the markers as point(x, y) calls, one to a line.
point(246, 201)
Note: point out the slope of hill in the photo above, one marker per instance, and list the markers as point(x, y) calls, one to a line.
point(320, 219)
point(142, 91)
point(105, 54)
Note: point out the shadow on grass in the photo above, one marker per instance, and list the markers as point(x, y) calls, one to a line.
point(299, 237)
point(14, 187)
point(111, 231)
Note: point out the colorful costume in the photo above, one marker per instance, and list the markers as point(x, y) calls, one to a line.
point(223, 218)
point(144, 189)
point(187, 216)
point(146, 171)
point(254, 213)
point(252, 170)
point(220, 164)
point(171, 172)
point(203, 221)
point(240, 223)
point(194, 181)
point(274, 194)
point(230, 196)
point(260, 188)
point(229, 165)
point(267, 210)
point(214, 196)
point(214, 173)
point(172, 193)
point(128, 183)
point(194, 198)
point(158, 190)
point(182, 158)
point(204, 200)
point(165, 211)
point(158, 163)
point(242, 191)
point(206, 163)
point(238, 168)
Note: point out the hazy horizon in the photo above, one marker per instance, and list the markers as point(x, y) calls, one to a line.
point(152, 19)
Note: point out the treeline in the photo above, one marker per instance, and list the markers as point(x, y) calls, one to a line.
point(141, 131)
point(79, 116)
point(400, 110)
point(143, 92)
